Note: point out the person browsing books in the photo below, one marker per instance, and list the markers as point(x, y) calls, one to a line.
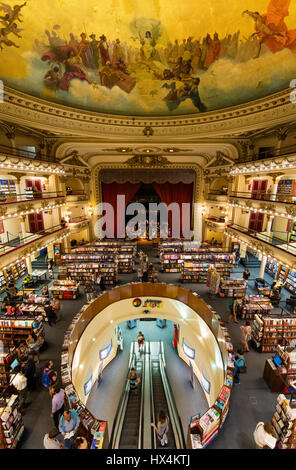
point(68, 426)
point(264, 436)
point(239, 363)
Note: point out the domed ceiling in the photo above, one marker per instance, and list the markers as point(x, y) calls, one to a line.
point(156, 58)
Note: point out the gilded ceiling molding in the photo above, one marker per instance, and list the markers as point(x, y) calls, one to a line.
point(20, 108)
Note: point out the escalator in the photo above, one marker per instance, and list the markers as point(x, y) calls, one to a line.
point(160, 402)
point(137, 410)
point(130, 430)
point(162, 399)
point(127, 428)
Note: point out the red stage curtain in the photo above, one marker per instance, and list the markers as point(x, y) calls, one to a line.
point(180, 193)
point(110, 192)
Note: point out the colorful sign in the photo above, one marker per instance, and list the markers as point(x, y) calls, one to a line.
point(137, 302)
point(147, 303)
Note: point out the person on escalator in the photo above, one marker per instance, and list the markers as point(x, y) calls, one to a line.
point(133, 380)
point(141, 340)
point(162, 427)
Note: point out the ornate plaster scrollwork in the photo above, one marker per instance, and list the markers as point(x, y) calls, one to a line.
point(148, 161)
point(291, 210)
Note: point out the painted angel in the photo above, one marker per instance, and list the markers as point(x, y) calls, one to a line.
point(271, 28)
point(12, 14)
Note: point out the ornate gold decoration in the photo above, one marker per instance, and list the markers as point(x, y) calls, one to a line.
point(147, 161)
point(291, 210)
point(148, 131)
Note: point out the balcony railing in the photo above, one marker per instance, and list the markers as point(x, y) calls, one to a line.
point(77, 220)
point(277, 242)
point(75, 192)
point(286, 151)
point(17, 152)
point(220, 220)
point(22, 241)
point(9, 198)
point(265, 197)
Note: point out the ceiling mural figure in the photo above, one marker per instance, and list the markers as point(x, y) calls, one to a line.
point(161, 59)
point(9, 21)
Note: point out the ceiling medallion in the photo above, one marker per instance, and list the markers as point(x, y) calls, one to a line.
point(147, 161)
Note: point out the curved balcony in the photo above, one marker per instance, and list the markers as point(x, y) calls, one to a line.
point(216, 223)
point(78, 223)
point(76, 196)
point(270, 246)
point(13, 205)
point(25, 246)
point(217, 196)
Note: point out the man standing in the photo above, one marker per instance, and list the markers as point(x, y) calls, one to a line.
point(51, 316)
point(20, 383)
point(29, 371)
point(68, 426)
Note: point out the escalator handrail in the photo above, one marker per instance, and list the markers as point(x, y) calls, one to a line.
point(174, 416)
point(153, 420)
point(140, 436)
point(147, 430)
point(119, 419)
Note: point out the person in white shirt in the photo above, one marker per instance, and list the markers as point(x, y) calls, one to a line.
point(50, 441)
point(19, 381)
point(264, 436)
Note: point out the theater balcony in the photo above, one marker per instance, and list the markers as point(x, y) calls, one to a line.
point(24, 247)
point(271, 204)
point(263, 244)
point(13, 205)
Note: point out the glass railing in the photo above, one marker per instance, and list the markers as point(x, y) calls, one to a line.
point(10, 246)
point(8, 197)
point(265, 197)
point(275, 241)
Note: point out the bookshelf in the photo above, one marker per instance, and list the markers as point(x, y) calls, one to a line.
point(84, 272)
point(286, 190)
point(11, 422)
point(271, 268)
point(2, 281)
point(195, 265)
point(283, 274)
point(14, 330)
point(6, 358)
point(288, 368)
point(269, 331)
point(253, 305)
point(98, 429)
point(232, 287)
point(8, 275)
point(290, 283)
point(84, 266)
point(19, 269)
point(284, 422)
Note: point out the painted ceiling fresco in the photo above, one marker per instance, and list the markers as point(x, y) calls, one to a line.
point(156, 58)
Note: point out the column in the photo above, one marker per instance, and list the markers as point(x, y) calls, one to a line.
point(22, 220)
point(262, 266)
point(29, 264)
point(269, 224)
point(50, 253)
point(243, 250)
